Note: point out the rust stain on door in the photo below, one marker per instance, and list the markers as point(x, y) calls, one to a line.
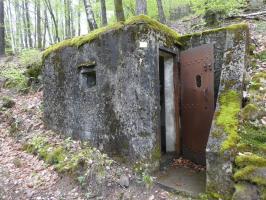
point(197, 100)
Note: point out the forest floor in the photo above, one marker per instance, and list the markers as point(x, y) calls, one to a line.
point(25, 176)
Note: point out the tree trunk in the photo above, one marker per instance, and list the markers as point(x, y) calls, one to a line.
point(119, 11)
point(49, 7)
point(141, 7)
point(11, 30)
point(160, 11)
point(2, 28)
point(79, 18)
point(38, 24)
point(67, 19)
point(24, 26)
point(103, 13)
point(19, 35)
point(28, 23)
point(90, 15)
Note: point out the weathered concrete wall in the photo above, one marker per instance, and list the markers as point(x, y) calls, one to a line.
point(230, 50)
point(121, 113)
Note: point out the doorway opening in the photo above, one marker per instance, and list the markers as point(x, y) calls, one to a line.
point(168, 129)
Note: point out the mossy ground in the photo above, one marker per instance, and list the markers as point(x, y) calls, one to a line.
point(64, 158)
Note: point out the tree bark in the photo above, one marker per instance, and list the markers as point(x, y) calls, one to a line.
point(2, 28)
point(79, 17)
point(90, 15)
point(67, 19)
point(141, 7)
point(24, 26)
point(161, 11)
point(19, 35)
point(28, 23)
point(103, 13)
point(119, 11)
point(38, 24)
point(11, 30)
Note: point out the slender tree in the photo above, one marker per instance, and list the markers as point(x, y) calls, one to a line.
point(103, 13)
point(141, 7)
point(79, 5)
point(10, 28)
point(119, 11)
point(90, 15)
point(161, 11)
point(2, 28)
point(38, 24)
point(28, 22)
point(67, 19)
point(50, 9)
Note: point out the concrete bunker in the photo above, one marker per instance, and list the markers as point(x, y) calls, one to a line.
point(139, 91)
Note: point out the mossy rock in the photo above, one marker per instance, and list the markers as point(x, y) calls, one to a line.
point(250, 112)
point(245, 191)
point(253, 174)
point(250, 159)
point(6, 102)
point(227, 118)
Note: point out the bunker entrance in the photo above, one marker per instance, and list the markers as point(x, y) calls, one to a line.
point(187, 107)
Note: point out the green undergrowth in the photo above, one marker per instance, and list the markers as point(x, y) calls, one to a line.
point(227, 118)
point(261, 56)
point(67, 159)
point(15, 78)
point(81, 40)
point(253, 138)
point(31, 60)
point(257, 81)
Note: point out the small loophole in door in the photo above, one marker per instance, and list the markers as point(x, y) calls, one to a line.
point(198, 81)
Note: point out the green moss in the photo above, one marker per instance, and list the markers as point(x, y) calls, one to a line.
point(263, 193)
point(87, 64)
point(255, 86)
point(244, 173)
point(250, 159)
point(217, 133)
point(81, 40)
point(227, 118)
point(236, 28)
point(258, 77)
point(156, 154)
point(249, 111)
point(7, 102)
point(248, 174)
point(251, 48)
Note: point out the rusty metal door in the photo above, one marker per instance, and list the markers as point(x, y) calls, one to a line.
point(197, 100)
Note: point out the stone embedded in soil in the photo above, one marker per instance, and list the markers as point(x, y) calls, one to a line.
point(124, 181)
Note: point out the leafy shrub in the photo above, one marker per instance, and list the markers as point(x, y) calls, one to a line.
point(228, 7)
point(15, 78)
point(32, 60)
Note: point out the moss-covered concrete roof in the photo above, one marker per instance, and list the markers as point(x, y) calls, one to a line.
point(153, 24)
point(81, 40)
